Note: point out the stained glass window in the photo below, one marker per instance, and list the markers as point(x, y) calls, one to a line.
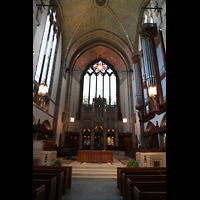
point(99, 85)
point(86, 89)
point(92, 87)
point(113, 91)
point(99, 80)
point(100, 67)
point(106, 87)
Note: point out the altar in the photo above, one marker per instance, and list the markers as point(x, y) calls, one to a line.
point(95, 156)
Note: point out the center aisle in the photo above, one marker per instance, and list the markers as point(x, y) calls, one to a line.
point(95, 181)
point(92, 190)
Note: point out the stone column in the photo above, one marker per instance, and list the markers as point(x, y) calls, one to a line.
point(64, 120)
point(143, 140)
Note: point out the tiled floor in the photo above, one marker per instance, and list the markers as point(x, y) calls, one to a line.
point(93, 190)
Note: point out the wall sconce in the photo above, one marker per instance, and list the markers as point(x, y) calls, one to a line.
point(124, 120)
point(72, 119)
point(42, 89)
point(152, 91)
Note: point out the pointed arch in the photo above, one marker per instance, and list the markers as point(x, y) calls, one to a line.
point(150, 126)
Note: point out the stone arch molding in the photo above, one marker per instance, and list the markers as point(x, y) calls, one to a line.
point(98, 38)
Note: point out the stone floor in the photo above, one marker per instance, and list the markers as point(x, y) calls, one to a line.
point(92, 190)
point(95, 189)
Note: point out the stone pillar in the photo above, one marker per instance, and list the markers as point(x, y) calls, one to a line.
point(142, 138)
point(62, 139)
point(64, 121)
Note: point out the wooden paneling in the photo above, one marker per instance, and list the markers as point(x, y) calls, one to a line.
point(95, 156)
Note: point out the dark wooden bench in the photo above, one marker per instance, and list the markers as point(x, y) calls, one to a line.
point(50, 187)
point(135, 170)
point(38, 191)
point(60, 179)
point(150, 192)
point(120, 170)
point(67, 175)
point(140, 178)
point(131, 184)
point(127, 174)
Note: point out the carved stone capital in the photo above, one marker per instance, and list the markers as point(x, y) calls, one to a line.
point(136, 57)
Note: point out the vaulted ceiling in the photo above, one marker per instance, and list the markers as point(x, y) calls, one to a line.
point(99, 29)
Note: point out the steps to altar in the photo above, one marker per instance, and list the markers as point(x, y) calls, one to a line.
point(94, 173)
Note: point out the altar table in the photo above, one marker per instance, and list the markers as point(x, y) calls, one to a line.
point(95, 156)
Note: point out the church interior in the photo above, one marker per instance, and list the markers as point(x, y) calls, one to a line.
point(99, 81)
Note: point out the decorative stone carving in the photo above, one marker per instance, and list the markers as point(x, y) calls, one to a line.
point(100, 3)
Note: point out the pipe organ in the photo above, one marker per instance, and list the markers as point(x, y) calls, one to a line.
point(149, 67)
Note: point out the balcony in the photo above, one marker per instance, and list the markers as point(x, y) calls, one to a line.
point(41, 101)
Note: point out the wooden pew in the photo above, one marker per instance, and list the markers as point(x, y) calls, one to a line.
point(140, 178)
point(50, 187)
point(127, 174)
point(150, 192)
point(67, 175)
point(58, 175)
point(131, 184)
point(38, 191)
point(135, 170)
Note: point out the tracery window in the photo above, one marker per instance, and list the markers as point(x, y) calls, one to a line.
point(99, 80)
point(46, 56)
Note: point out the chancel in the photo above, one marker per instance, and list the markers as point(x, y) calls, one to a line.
point(99, 85)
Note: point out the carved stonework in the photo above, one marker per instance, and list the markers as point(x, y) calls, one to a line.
point(136, 57)
point(100, 3)
point(99, 114)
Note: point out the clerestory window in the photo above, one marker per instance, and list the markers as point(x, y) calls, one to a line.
point(46, 56)
point(99, 80)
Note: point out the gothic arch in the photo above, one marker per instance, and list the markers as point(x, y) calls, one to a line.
point(150, 126)
point(46, 125)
